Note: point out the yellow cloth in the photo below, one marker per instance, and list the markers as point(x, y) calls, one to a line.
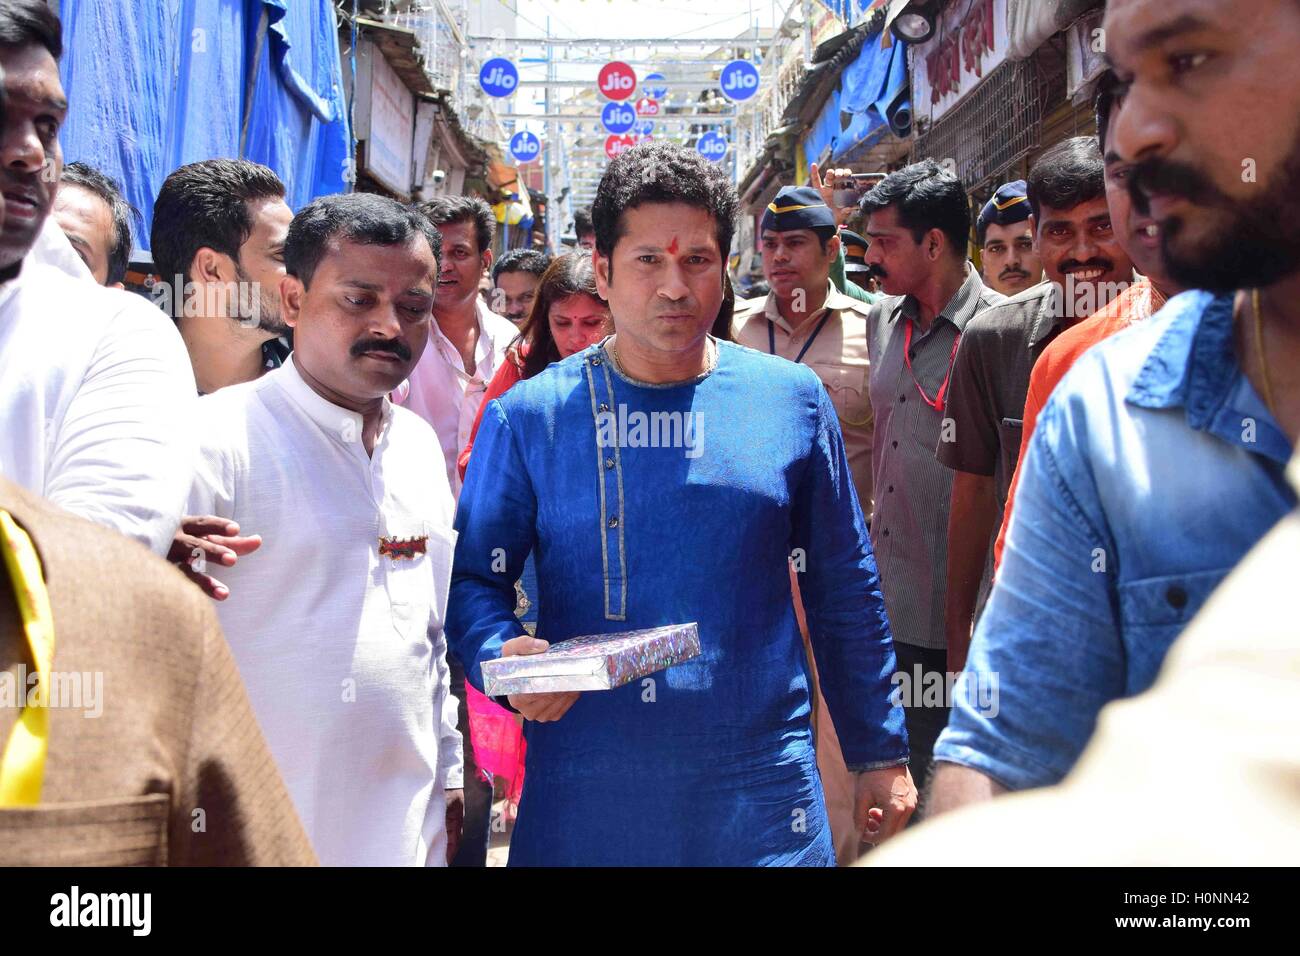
point(22, 767)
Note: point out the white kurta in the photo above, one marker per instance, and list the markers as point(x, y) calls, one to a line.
point(96, 399)
point(341, 649)
point(445, 396)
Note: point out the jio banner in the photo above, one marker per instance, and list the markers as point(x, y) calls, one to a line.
point(616, 81)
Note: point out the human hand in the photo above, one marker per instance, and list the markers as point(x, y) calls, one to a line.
point(542, 708)
point(206, 539)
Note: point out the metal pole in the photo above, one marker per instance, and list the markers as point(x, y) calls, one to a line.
point(550, 144)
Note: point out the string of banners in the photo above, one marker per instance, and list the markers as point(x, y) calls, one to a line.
point(625, 124)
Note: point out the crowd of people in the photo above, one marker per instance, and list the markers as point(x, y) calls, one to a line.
point(934, 521)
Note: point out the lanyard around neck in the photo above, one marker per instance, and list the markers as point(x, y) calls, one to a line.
point(937, 402)
point(22, 768)
point(771, 336)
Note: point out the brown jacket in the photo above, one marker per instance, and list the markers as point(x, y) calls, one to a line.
point(172, 770)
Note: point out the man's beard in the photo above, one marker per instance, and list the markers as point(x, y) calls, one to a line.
point(268, 304)
point(1251, 243)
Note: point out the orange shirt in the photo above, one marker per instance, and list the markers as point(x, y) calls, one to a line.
point(1137, 302)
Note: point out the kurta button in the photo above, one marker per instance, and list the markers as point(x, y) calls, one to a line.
point(613, 522)
point(895, 444)
point(891, 489)
point(1176, 597)
point(604, 407)
point(609, 462)
point(886, 532)
point(595, 361)
point(902, 398)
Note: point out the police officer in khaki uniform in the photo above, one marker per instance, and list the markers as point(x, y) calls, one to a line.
point(806, 319)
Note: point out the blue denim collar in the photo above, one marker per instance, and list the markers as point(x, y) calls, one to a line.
point(1194, 365)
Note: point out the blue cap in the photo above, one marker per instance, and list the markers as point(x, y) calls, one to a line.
point(798, 207)
point(1010, 204)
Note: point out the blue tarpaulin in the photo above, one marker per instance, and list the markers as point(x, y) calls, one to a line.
point(155, 84)
point(872, 92)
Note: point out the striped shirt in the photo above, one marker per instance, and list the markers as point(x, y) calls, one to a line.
point(909, 524)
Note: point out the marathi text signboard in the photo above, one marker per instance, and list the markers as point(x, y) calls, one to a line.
point(971, 41)
point(392, 126)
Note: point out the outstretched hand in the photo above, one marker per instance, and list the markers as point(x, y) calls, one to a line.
point(205, 540)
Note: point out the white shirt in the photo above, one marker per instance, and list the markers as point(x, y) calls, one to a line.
point(341, 649)
point(52, 248)
point(445, 396)
point(96, 395)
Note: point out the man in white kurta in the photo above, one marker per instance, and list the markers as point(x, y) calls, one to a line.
point(332, 638)
point(336, 621)
point(95, 396)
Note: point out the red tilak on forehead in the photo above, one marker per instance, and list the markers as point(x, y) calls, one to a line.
point(672, 246)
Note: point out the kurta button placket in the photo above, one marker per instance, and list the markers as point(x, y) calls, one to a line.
point(609, 492)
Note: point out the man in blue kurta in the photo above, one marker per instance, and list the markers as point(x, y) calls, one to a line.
point(663, 477)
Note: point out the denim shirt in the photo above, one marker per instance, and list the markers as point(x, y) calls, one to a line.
point(1155, 467)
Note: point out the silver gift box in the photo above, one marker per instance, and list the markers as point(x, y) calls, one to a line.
point(592, 662)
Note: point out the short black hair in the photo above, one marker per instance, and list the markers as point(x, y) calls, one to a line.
point(658, 171)
point(1103, 104)
point(521, 260)
point(1067, 174)
point(122, 212)
point(927, 197)
point(206, 204)
point(27, 22)
point(582, 223)
point(444, 209)
point(367, 218)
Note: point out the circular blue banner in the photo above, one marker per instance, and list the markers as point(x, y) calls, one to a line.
point(739, 80)
point(712, 146)
point(498, 77)
point(654, 87)
point(525, 147)
point(618, 117)
point(645, 127)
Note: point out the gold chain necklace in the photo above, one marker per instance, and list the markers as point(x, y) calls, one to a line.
point(1259, 353)
point(711, 362)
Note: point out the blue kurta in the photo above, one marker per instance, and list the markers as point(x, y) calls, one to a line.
point(710, 761)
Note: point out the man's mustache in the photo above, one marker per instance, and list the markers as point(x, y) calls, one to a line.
point(876, 272)
point(1172, 178)
point(396, 346)
point(1009, 272)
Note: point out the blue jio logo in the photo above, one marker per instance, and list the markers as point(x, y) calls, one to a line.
point(645, 127)
point(654, 86)
point(618, 117)
point(739, 80)
point(498, 77)
point(525, 147)
point(712, 146)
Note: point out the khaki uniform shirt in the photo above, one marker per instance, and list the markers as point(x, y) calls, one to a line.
point(837, 353)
